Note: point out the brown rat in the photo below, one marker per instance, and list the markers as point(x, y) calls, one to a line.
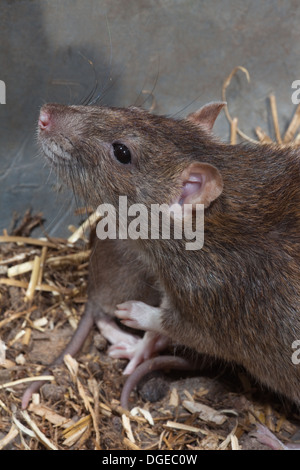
point(116, 274)
point(237, 298)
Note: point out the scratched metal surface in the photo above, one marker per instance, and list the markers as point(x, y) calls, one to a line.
point(182, 48)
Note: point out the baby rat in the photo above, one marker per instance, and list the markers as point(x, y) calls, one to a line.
point(237, 298)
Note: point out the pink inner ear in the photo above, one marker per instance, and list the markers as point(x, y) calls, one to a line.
point(190, 187)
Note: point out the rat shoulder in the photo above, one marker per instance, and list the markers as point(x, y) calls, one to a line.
point(268, 160)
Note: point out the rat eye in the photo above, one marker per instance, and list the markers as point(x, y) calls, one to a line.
point(122, 153)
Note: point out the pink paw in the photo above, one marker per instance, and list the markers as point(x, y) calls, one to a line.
point(144, 348)
point(265, 436)
point(123, 350)
point(137, 315)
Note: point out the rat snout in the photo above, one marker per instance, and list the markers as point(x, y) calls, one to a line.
point(53, 117)
point(44, 120)
point(52, 121)
point(49, 118)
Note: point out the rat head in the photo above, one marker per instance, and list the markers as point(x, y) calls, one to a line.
point(105, 153)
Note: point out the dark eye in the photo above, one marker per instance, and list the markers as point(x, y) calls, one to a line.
point(122, 153)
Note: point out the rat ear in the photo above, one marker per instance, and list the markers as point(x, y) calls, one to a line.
point(205, 117)
point(201, 184)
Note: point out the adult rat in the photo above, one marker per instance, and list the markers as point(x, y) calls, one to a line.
point(237, 298)
point(117, 272)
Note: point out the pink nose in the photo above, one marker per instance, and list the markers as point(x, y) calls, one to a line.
point(44, 120)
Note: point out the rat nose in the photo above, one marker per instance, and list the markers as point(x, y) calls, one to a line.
point(44, 120)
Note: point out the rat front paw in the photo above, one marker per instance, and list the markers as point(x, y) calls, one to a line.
point(133, 314)
point(138, 315)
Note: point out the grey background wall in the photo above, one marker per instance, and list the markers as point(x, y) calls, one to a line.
point(184, 49)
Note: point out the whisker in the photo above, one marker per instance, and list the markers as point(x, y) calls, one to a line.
point(183, 109)
point(86, 100)
point(91, 101)
point(103, 92)
point(140, 93)
point(109, 68)
point(65, 208)
point(154, 86)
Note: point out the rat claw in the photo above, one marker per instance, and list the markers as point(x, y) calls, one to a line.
point(128, 313)
point(137, 353)
point(125, 351)
point(122, 350)
point(138, 315)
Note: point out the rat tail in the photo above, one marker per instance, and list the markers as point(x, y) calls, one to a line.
point(155, 363)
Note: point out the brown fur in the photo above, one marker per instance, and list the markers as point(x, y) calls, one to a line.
point(238, 298)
